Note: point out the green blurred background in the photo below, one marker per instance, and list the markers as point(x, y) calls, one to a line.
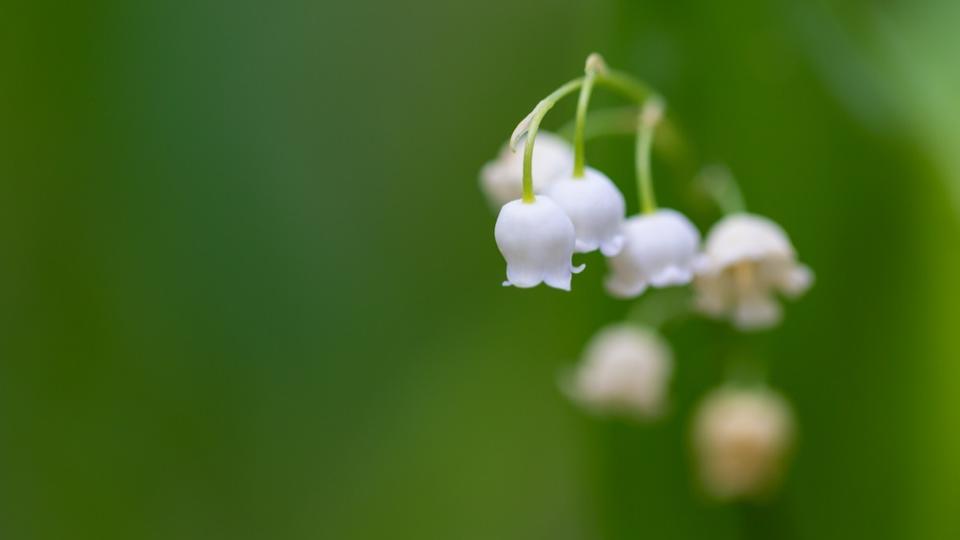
point(250, 288)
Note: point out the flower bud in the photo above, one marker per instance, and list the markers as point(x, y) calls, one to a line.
point(741, 438)
point(502, 179)
point(659, 250)
point(625, 370)
point(747, 259)
point(596, 208)
point(537, 240)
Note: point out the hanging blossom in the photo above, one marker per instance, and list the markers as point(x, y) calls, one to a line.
point(748, 259)
point(501, 178)
point(660, 250)
point(537, 240)
point(596, 208)
point(741, 438)
point(660, 246)
point(625, 370)
point(535, 236)
point(592, 201)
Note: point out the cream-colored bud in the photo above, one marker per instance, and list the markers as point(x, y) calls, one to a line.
point(742, 438)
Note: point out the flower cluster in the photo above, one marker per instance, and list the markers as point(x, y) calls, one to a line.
point(554, 206)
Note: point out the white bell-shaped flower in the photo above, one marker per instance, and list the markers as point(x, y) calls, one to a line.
point(659, 250)
point(747, 258)
point(596, 208)
point(741, 438)
point(502, 178)
point(537, 240)
point(625, 370)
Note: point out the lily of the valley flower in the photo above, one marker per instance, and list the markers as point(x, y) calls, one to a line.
point(625, 370)
point(537, 240)
point(659, 250)
point(501, 178)
point(596, 208)
point(741, 438)
point(747, 259)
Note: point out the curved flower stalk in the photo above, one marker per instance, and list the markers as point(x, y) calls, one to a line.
point(501, 179)
point(625, 370)
point(537, 240)
point(660, 246)
point(592, 201)
point(741, 438)
point(748, 258)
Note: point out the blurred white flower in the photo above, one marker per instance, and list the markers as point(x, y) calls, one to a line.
point(741, 438)
point(502, 178)
point(596, 208)
point(537, 240)
point(625, 370)
point(659, 250)
point(747, 258)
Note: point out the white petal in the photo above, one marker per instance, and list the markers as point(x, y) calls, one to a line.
point(584, 247)
point(796, 281)
point(741, 237)
point(612, 247)
point(671, 275)
point(524, 277)
point(558, 281)
point(622, 287)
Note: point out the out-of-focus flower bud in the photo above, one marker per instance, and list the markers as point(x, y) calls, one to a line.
point(741, 438)
point(625, 370)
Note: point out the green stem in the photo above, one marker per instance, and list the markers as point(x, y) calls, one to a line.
point(531, 125)
point(598, 73)
point(625, 84)
point(579, 159)
point(649, 117)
